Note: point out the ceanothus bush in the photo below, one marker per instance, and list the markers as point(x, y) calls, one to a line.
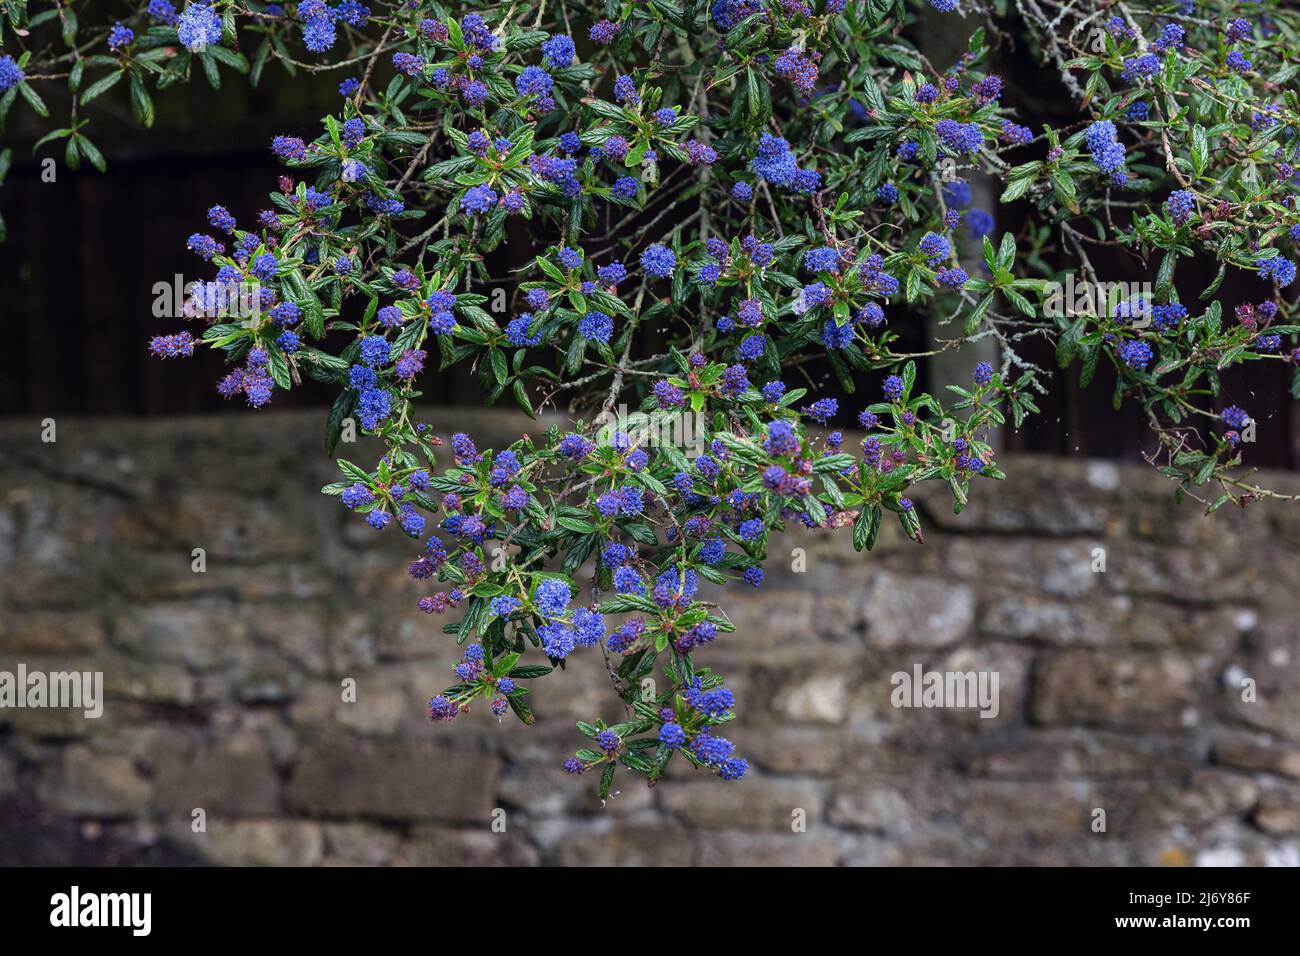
point(710, 197)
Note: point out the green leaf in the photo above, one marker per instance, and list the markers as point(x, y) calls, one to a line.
point(33, 100)
point(339, 412)
point(101, 86)
point(530, 671)
point(141, 102)
point(1017, 188)
point(866, 527)
point(521, 398)
point(91, 152)
point(230, 58)
point(1200, 149)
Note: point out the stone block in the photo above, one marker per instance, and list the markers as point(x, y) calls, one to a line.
point(349, 778)
point(1121, 690)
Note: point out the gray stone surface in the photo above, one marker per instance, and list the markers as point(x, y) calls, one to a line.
point(1164, 692)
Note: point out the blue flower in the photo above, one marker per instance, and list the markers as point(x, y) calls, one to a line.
point(625, 91)
point(628, 581)
point(1139, 67)
point(954, 277)
point(162, 11)
point(1180, 205)
point(821, 259)
point(375, 350)
point(713, 703)
point(318, 34)
point(353, 171)
point(774, 161)
point(658, 261)
point(558, 51)
point(198, 27)
point(603, 31)
point(552, 597)
point(1015, 134)
point(957, 193)
point(264, 266)
point(979, 222)
point(120, 37)
point(517, 331)
point(596, 326)
point(1135, 354)
point(806, 181)
point(1167, 317)
point(735, 380)
point(751, 347)
point(1235, 417)
point(1107, 151)
point(836, 336)
point(558, 640)
point(672, 735)
point(478, 200)
point(1280, 269)
point(611, 274)
point(935, 248)
point(442, 323)
point(815, 294)
point(408, 63)
point(569, 258)
point(353, 132)
point(504, 467)
point(734, 769)
point(11, 74)
point(589, 626)
point(959, 137)
point(822, 410)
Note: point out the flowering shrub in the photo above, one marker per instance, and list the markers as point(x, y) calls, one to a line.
point(716, 195)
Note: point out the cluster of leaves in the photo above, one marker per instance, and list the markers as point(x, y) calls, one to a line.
point(712, 198)
point(1204, 98)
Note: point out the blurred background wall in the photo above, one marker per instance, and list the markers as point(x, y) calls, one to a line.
point(1119, 690)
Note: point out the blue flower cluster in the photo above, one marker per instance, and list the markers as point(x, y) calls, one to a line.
point(688, 233)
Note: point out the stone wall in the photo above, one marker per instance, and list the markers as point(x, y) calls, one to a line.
point(1119, 690)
